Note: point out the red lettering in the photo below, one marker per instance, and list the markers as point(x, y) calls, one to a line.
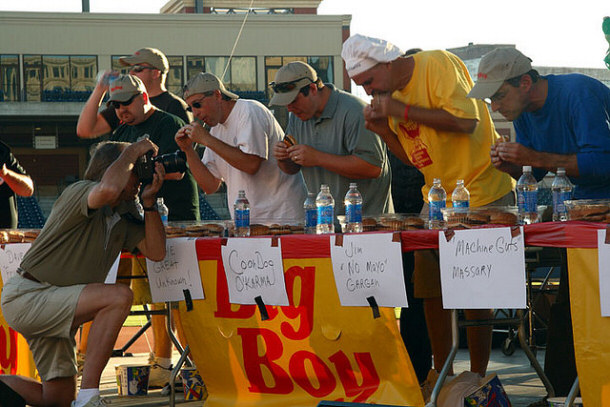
point(347, 375)
point(224, 309)
point(482, 75)
point(323, 374)
point(272, 349)
point(8, 350)
point(304, 294)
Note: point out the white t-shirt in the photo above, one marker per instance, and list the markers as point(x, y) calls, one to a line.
point(274, 196)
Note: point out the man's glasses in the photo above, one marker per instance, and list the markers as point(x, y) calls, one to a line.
point(197, 104)
point(285, 87)
point(140, 68)
point(116, 104)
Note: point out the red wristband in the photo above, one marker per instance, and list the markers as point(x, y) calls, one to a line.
point(407, 107)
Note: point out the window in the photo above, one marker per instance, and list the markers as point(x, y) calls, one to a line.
point(59, 78)
point(115, 65)
point(175, 76)
point(322, 65)
point(9, 78)
point(240, 77)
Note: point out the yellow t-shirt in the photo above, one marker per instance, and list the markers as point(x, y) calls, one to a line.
point(441, 81)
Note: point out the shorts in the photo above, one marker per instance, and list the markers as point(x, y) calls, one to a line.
point(43, 314)
point(427, 269)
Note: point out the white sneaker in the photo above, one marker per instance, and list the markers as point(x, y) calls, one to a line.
point(159, 375)
point(95, 401)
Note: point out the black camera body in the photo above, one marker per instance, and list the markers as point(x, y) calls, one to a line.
point(172, 162)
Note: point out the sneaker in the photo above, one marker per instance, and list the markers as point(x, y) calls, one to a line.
point(159, 375)
point(428, 385)
point(95, 401)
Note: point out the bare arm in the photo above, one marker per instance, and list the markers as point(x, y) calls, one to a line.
point(280, 152)
point(205, 179)
point(519, 155)
point(348, 166)
point(384, 105)
point(248, 163)
point(153, 244)
point(21, 184)
point(380, 127)
point(91, 124)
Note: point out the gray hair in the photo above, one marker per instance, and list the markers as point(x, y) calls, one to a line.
point(102, 156)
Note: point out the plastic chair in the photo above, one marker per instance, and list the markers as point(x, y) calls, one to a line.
point(30, 213)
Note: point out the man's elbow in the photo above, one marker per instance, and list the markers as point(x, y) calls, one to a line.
point(465, 125)
point(158, 256)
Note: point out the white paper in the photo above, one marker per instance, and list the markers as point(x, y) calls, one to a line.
point(10, 258)
point(369, 266)
point(254, 268)
point(483, 268)
point(112, 273)
point(603, 254)
point(177, 272)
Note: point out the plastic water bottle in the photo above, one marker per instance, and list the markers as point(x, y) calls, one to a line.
point(437, 200)
point(460, 197)
point(163, 211)
point(241, 214)
point(353, 209)
point(311, 213)
point(527, 196)
point(325, 203)
point(562, 191)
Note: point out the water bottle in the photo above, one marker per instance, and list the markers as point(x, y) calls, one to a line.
point(241, 214)
point(562, 191)
point(460, 197)
point(163, 211)
point(527, 196)
point(325, 205)
point(437, 199)
point(311, 213)
point(353, 209)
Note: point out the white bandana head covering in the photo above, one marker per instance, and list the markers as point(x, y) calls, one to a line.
point(361, 53)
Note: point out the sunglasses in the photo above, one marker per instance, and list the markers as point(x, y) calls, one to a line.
point(116, 104)
point(197, 104)
point(285, 87)
point(140, 68)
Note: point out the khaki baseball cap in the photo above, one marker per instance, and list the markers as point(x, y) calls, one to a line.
point(151, 56)
point(205, 82)
point(496, 67)
point(125, 87)
point(289, 80)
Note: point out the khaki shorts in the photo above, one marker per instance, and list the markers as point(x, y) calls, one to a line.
point(427, 271)
point(43, 314)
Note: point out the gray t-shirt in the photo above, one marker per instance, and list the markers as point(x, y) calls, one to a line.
point(340, 130)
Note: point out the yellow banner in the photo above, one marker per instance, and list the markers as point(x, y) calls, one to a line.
point(590, 329)
point(312, 350)
point(15, 355)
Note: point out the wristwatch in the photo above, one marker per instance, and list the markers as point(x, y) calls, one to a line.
point(153, 208)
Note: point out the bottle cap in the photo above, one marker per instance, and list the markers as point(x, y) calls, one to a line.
point(437, 180)
point(159, 201)
point(561, 171)
point(353, 185)
point(527, 168)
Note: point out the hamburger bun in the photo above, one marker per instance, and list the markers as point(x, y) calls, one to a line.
point(502, 218)
point(290, 140)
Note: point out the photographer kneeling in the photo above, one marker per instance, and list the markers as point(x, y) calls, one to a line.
point(61, 278)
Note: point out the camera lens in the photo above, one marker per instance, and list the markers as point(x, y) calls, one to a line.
point(173, 162)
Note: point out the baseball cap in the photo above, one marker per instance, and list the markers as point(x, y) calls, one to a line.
point(496, 67)
point(205, 82)
point(361, 53)
point(151, 56)
point(289, 80)
point(124, 87)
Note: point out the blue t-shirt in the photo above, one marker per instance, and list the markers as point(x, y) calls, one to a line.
point(575, 119)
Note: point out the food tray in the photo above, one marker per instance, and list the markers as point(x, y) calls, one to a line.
point(389, 221)
point(485, 215)
point(269, 227)
point(592, 210)
point(195, 229)
point(18, 235)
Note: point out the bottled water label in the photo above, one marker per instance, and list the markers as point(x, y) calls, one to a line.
point(311, 218)
point(164, 219)
point(325, 215)
point(353, 213)
point(527, 201)
point(461, 204)
point(435, 210)
point(559, 197)
point(242, 218)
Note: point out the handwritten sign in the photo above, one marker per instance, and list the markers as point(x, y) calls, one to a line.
point(10, 258)
point(178, 271)
point(483, 268)
point(368, 265)
point(254, 268)
point(603, 254)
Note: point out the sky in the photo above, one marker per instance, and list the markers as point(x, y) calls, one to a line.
point(551, 32)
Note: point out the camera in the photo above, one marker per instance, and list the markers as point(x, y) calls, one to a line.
point(172, 162)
